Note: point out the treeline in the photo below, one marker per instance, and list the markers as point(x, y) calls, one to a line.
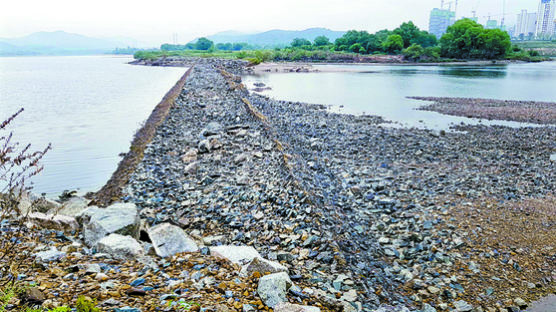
point(204, 44)
point(464, 40)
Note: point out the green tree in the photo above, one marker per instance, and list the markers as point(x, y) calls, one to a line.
point(408, 31)
point(300, 42)
point(425, 39)
point(414, 52)
point(393, 44)
point(467, 39)
point(355, 48)
point(203, 44)
point(321, 41)
point(496, 43)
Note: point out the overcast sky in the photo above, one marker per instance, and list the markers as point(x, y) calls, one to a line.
point(154, 22)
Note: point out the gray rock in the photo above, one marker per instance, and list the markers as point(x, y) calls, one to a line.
point(213, 128)
point(248, 308)
point(93, 268)
point(236, 254)
point(120, 247)
point(191, 168)
point(54, 222)
point(273, 288)
point(262, 266)
point(428, 308)
point(120, 218)
point(169, 240)
point(553, 157)
point(288, 307)
point(204, 146)
point(462, 306)
point(74, 206)
point(520, 302)
point(50, 255)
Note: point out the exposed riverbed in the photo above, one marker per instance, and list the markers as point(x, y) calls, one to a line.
point(357, 210)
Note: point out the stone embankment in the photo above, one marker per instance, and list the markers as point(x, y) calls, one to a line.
point(360, 211)
point(246, 203)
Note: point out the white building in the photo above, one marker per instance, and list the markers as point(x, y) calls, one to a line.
point(545, 19)
point(526, 26)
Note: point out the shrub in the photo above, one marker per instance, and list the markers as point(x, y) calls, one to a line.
point(85, 305)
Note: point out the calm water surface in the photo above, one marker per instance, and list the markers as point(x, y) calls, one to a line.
point(88, 107)
point(382, 90)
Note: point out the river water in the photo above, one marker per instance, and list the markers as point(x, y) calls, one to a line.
point(88, 107)
point(383, 90)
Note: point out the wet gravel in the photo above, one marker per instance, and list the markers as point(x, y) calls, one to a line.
point(509, 110)
point(346, 202)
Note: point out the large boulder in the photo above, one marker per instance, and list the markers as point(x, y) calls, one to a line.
point(262, 266)
point(120, 218)
point(73, 206)
point(168, 240)
point(288, 307)
point(120, 246)
point(273, 288)
point(54, 222)
point(236, 254)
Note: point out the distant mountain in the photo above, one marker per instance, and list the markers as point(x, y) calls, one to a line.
point(57, 43)
point(275, 37)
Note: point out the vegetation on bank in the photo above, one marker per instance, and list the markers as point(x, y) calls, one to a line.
point(543, 48)
point(465, 40)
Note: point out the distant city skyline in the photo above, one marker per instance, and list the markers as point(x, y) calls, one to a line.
point(163, 20)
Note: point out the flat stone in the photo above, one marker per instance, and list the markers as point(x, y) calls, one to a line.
point(212, 128)
point(553, 157)
point(120, 246)
point(288, 307)
point(262, 266)
point(168, 240)
point(120, 218)
point(273, 288)
point(235, 254)
point(50, 255)
point(53, 222)
point(462, 306)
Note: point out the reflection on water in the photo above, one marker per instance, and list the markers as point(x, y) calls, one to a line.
point(383, 90)
point(87, 107)
point(451, 71)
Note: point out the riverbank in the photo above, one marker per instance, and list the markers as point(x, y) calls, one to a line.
point(292, 181)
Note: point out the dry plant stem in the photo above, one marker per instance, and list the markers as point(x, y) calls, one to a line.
point(17, 166)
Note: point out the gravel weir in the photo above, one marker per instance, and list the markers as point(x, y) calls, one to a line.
point(365, 214)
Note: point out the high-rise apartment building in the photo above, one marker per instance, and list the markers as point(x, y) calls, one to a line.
point(545, 19)
point(440, 20)
point(526, 25)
